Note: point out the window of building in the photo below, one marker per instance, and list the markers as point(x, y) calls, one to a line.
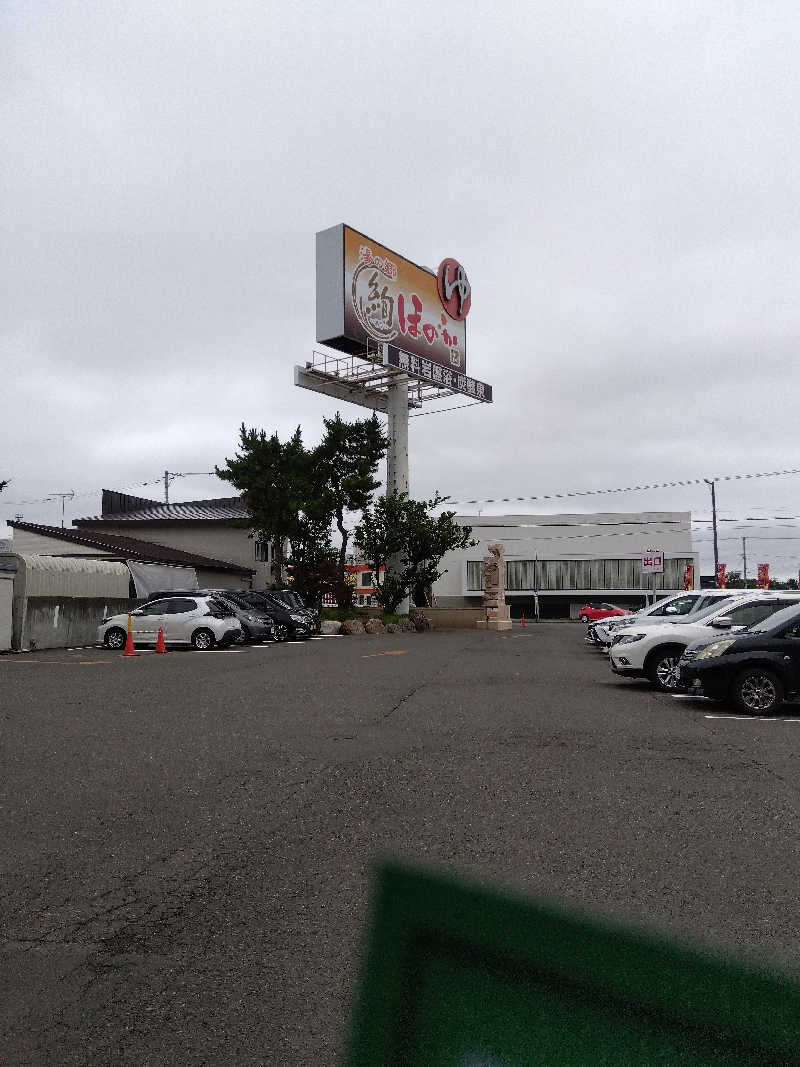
point(262, 550)
point(519, 574)
point(475, 574)
point(366, 578)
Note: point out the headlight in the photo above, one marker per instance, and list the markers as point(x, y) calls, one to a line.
point(716, 649)
point(628, 639)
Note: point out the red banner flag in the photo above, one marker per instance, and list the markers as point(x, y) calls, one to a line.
point(688, 576)
point(721, 568)
point(763, 576)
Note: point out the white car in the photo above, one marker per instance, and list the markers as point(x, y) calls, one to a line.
point(682, 607)
point(198, 621)
point(653, 651)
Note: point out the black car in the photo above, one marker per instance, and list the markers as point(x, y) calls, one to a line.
point(756, 669)
point(294, 602)
point(297, 624)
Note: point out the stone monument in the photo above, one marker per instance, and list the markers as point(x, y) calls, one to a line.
point(498, 616)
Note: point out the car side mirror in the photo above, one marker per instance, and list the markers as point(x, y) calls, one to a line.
point(670, 610)
point(722, 623)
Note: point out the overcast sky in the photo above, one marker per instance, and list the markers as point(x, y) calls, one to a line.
point(620, 181)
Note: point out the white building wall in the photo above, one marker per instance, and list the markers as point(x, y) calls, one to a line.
point(605, 535)
point(6, 601)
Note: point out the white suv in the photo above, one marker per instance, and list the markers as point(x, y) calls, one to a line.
point(684, 607)
point(198, 621)
point(653, 651)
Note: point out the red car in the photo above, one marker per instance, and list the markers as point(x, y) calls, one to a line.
point(593, 612)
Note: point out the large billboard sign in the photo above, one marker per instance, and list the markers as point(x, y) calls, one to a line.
point(368, 295)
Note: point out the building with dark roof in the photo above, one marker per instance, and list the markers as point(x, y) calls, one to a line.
point(213, 528)
point(34, 539)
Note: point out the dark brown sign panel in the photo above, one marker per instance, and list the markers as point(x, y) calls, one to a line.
point(432, 373)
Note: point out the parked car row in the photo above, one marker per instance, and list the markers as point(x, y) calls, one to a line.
point(208, 618)
point(741, 646)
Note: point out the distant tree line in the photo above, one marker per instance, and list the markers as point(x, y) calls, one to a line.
point(734, 580)
point(298, 496)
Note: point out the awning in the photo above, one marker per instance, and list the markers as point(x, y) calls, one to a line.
point(149, 578)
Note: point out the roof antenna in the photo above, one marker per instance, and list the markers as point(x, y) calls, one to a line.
point(64, 496)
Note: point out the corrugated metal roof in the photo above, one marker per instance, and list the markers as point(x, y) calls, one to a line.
point(129, 547)
point(81, 576)
point(76, 564)
point(224, 510)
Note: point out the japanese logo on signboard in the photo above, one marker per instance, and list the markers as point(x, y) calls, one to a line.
point(653, 561)
point(366, 293)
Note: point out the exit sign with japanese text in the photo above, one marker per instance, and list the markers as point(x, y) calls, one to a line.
point(653, 561)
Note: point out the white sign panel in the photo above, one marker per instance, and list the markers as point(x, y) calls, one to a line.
point(653, 561)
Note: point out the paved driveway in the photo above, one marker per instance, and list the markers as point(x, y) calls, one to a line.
point(187, 839)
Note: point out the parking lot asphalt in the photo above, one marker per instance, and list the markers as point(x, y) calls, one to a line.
point(187, 839)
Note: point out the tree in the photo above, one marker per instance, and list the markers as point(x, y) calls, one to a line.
point(405, 528)
point(277, 482)
point(345, 464)
point(3, 485)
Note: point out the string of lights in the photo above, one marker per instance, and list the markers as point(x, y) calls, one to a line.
point(574, 493)
point(566, 495)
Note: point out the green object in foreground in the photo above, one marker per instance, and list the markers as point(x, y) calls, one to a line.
point(456, 976)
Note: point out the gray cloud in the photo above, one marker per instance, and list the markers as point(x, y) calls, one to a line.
point(620, 181)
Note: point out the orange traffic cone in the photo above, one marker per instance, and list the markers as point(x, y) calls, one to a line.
point(523, 620)
point(160, 646)
point(129, 649)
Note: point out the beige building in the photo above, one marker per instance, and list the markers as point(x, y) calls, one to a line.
point(211, 528)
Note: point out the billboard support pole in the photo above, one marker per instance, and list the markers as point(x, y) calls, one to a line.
point(397, 455)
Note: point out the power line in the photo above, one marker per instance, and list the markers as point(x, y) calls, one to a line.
point(571, 494)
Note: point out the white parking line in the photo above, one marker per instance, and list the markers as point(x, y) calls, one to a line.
point(752, 718)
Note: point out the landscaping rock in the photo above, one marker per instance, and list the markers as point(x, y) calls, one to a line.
point(352, 626)
point(406, 626)
point(331, 626)
point(374, 626)
point(391, 627)
point(419, 619)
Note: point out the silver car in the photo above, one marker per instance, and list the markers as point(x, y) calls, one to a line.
point(198, 621)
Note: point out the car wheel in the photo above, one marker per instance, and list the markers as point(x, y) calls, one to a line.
point(662, 670)
point(757, 690)
point(203, 640)
point(584, 618)
point(115, 638)
point(281, 632)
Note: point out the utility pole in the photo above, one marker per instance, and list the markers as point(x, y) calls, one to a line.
point(397, 455)
point(166, 487)
point(712, 483)
point(744, 558)
point(64, 496)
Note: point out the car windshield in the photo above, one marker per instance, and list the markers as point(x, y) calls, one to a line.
point(286, 597)
point(677, 605)
point(780, 618)
point(238, 600)
point(710, 601)
point(712, 609)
